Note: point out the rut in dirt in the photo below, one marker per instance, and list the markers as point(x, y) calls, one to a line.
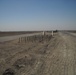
point(56, 56)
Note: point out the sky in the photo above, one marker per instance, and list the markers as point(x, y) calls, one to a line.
point(30, 15)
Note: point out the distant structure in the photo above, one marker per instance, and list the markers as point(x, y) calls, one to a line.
point(52, 33)
point(43, 33)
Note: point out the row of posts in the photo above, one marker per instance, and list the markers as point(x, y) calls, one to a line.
point(36, 38)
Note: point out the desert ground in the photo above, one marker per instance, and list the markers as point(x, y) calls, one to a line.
point(42, 55)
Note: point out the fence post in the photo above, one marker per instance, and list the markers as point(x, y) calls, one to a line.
point(43, 33)
point(52, 33)
point(19, 40)
point(25, 39)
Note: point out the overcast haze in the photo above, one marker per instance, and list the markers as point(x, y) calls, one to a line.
point(24, 15)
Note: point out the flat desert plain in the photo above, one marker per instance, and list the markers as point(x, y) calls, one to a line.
point(53, 55)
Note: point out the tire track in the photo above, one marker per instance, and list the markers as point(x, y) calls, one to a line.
point(69, 54)
point(54, 57)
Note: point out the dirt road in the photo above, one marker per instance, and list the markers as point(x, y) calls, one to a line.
point(54, 57)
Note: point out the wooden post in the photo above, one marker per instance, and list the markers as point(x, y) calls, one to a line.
point(19, 40)
point(43, 33)
point(25, 39)
point(52, 33)
point(34, 38)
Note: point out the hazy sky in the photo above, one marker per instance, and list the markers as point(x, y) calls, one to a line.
point(23, 15)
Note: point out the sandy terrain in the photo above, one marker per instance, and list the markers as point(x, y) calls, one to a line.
point(54, 56)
